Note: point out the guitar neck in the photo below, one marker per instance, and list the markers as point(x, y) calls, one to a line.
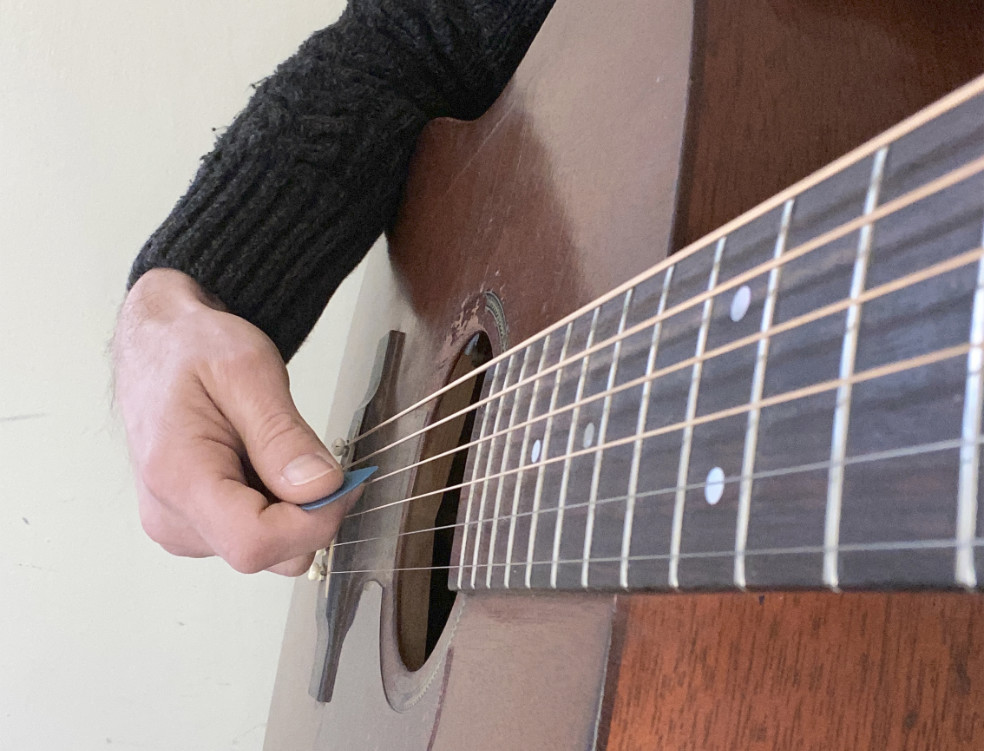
point(793, 402)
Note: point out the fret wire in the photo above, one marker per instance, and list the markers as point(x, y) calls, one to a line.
point(758, 387)
point(571, 437)
point(502, 465)
point(676, 535)
point(472, 486)
point(510, 542)
point(859, 547)
point(511, 364)
point(929, 272)
point(881, 371)
point(538, 490)
point(859, 459)
point(641, 417)
point(951, 178)
point(602, 433)
point(965, 569)
point(842, 410)
point(914, 121)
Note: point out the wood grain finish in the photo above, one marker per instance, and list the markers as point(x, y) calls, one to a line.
point(811, 672)
point(566, 188)
point(524, 202)
point(782, 88)
point(898, 456)
point(510, 204)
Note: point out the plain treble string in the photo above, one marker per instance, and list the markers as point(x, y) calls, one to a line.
point(880, 371)
point(822, 466)
point(951, 101)
point(899, 545)
point(900, 283)
point(947, 180)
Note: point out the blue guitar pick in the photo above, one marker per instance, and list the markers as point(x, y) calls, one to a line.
point(353, 480)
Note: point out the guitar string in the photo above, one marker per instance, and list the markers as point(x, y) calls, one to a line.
point(881, 371)
point(909, 125)
point(932, 188)
point(928, 273)
point(944, 105)
point(860, 547)
point(858, 459)
point(929, 189)
point(903, 282)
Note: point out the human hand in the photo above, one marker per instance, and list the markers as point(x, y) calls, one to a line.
point(215, 439)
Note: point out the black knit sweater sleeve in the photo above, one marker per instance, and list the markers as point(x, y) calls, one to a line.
point(310, 172)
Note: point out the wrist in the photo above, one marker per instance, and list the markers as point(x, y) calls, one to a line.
point(161, 290)
point(161, 302)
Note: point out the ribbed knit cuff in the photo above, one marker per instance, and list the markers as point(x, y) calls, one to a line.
point(311, 172)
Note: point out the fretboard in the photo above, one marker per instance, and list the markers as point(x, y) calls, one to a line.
point(794, 402)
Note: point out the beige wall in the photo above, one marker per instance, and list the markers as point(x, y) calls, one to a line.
point(107, 642)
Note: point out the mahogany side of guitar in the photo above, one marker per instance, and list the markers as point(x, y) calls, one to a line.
point(782, 87)
point(566, 188)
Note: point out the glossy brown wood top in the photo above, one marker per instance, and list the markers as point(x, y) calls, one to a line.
point(564, 189)
point(782, 87)
point(597, 455)
point(510, 204)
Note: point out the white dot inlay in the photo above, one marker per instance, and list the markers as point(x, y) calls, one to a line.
point(535, 453)
point(589, 432)
point(741, 302)
point(714, 485)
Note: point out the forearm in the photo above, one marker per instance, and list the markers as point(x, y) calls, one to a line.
point(311, 172)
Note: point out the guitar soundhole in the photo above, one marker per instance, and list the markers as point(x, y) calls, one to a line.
point(424, 600)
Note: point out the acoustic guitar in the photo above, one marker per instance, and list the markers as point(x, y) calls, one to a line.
point(652, 476)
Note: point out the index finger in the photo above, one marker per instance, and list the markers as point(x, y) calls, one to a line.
point(252, 534)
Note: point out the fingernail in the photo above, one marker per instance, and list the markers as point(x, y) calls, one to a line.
point(306, 468)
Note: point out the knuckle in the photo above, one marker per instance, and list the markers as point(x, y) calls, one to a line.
point(275, 426)
point(249, 354)
point(153, 524)
point(157, 472)
point(177, 549)
point(248, 558)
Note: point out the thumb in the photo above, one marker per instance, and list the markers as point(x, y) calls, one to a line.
point(284, 451)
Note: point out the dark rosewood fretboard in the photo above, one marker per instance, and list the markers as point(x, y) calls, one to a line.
point(796, 403)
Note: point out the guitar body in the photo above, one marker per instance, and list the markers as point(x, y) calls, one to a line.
point(628, 132)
